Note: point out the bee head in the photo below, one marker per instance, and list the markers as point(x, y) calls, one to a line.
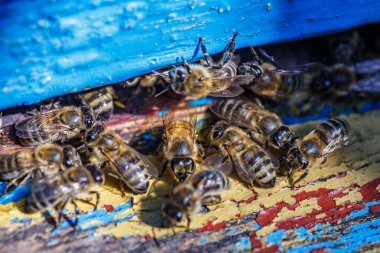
point(71, 157)
point(171, 214)
point(284, 138)
point(182, 167)
point(89, 117)
point(343, 50)
point(177, 79)
point(341, 77)
point(296, 160)
point(93, 133)
point(250, 69)
point(218, 130)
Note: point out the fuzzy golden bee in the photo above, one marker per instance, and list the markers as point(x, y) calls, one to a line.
point(203, 188)
point(327, 137)
point(19, 166)
point(75, 183)
point(130, 167)
point(208, 78)
point(252, 163)
point(54, 126)
point(180, 145)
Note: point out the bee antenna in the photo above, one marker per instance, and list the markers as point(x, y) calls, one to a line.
point(162, 92)
point(159, 74)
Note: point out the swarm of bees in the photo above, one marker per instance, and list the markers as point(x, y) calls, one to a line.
point(67, 151)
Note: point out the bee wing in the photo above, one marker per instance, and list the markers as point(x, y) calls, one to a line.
point(239, 166)
point(371, 84)
point(219, 163)
point(232, 91)
point(335, 145)
point(30, 127)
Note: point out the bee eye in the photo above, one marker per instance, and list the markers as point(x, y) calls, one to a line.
point(217, 134)
point(171, 74)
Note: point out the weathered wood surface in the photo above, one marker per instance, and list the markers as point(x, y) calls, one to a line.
point(50, 48)
point(336, 209)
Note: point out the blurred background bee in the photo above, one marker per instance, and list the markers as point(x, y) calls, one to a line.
point(326, 138)
point(203, 188)
point(19, 166)
point(209, 78)
point(180, 146)
point(346, 47)
point(144, 85)
point(252, 163)
point(57, 190)
point(106, 147)
point(54, 126)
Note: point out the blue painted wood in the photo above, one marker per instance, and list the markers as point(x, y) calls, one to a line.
point(50, 48)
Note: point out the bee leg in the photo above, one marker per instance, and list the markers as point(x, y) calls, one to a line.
point(16, 182)
point(229, 50)
point(206, 57)
point(97, 199)
point(300, 178)
point(266, 56)
point(324, 160)
point(188, 222)
point(252, 188)
point(60, 212)
point(122, 188)
point(256, 56)
point(164, 168)
point(76, 209)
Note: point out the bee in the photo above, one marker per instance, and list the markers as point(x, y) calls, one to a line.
point(100, 100)
point(267, 128)
point(19, 166)
point(54, 126)
point(107, 147)
point(327, 137)
point(180, 146)
point(274, 83)
point(203, 188)
point(345, 47)
point(252, 163)
point(145, 83)
point(208, 78)
point(57, 190)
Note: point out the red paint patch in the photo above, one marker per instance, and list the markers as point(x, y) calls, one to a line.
point(269, 249)
point(266, 217)
point(249, 200)
point(375, 208)
point(109, 208)
point(311, 194)
point(369, 191)
point(212, 227)
point(255, 241)
point(148, 237)
point(318, 250)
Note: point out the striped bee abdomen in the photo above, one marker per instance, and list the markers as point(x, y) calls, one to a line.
point(260, 167)
point(43, 195)
point(332, 130)
point(132, 170)
point(101, 101)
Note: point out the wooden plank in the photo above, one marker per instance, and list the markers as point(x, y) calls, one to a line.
point(51, 48)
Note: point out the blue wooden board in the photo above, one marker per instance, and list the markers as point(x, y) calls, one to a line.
point(50, 48)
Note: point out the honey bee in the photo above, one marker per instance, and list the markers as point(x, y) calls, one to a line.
point(100, 100)
point(345, 47)
point(208, 78)
point(274, 83)
point(75, 183)
point(107, 147)
point(252, 163)
point(54, 126)
point(180, 146)
point(203, 188)
point(267, 128)
point(145, 83)
point(327, 137)
point(19, 166)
